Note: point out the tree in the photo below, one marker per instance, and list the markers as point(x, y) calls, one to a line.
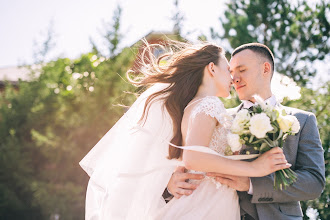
point(112, 35)
point(49, 124)
point(318, 102)
point(296, 33)
point(178, 20)
point(298, 36)
point(41, 51)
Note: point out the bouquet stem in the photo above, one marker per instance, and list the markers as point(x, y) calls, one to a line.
point(284, 178)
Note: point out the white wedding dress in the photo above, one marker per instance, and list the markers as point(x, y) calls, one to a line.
point(129, 169)
point(210, 200)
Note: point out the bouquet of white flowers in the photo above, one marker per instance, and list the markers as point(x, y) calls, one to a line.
point(261, 129)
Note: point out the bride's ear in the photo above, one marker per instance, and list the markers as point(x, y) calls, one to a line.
point(210, 69)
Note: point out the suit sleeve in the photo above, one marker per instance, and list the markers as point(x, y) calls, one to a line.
point(309, 166)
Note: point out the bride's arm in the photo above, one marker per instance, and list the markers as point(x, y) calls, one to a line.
point(200, 131)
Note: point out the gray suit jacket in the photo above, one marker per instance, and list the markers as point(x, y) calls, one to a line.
point(304, 151)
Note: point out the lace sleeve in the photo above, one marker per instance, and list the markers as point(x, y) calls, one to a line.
point(213, 107)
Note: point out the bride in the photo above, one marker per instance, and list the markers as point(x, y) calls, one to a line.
point(179, 120)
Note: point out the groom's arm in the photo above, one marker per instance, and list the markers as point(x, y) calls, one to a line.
point(309, 167)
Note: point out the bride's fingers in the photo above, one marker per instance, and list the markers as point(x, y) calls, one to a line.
point(277, 156)
point(176, 195)
point(182, 192)
point(275, 150)
point(283, 166)
point(185, 185)
point(281, 161)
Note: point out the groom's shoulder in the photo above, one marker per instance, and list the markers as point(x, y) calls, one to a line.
point(305, 118)
point(299, 113)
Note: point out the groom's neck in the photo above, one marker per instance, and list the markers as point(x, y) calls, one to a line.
point(264, 96)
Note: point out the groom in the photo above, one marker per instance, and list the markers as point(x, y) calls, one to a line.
point(252, 68)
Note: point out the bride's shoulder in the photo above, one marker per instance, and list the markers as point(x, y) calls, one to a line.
point(209, 105)
point(211, 102)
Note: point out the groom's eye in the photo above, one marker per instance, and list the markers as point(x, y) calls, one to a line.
point(242, 70)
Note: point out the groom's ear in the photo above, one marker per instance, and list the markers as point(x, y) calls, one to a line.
point(210, 68)
point(267, 69)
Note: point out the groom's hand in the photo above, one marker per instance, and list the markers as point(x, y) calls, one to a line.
point(240, 183)
point(178, 185)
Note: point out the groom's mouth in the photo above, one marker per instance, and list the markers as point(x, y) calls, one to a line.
point(239, 87)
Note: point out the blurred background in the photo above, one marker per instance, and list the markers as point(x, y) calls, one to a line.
point(63, 86)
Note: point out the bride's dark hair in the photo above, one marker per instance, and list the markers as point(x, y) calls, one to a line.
point(182, 68)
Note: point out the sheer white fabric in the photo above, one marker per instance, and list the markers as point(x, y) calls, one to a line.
point(210, 200)
point(128, 167)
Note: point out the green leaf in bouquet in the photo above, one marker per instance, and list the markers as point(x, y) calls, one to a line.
point(264, 147)
point(284, 112)
point(275, 115)
point(274, 130)
point(268, 142)
point(251, 139)
point(280, 135)
point(257, 141)
point(258, 109)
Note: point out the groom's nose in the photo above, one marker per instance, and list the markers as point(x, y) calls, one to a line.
point(236, 79)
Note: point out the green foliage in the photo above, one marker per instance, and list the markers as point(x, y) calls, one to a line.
point(298, 34)
point(49, 124)
point(318, 102)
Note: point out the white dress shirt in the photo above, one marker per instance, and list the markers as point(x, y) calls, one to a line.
point(271, 100)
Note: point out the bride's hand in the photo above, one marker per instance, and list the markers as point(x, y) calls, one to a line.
point(270, 162)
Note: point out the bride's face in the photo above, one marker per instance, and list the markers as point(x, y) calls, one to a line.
point(222, 77)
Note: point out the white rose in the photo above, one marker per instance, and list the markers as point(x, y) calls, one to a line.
point(286, 122)
point(227, 120)
point(234, 142)
point(260, 125)
point(241, 118)
point(243, 115)
point(237, 128)
point(295, 125)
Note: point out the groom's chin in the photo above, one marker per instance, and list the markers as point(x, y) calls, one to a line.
point(241, 96)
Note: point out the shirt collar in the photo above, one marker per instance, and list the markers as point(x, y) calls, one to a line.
point(271, 100)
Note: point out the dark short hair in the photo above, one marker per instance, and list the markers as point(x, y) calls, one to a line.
point(258, 48)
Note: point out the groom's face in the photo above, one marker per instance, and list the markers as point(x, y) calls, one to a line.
point(246, 69)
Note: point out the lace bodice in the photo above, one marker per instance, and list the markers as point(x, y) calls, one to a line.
point(212, 106)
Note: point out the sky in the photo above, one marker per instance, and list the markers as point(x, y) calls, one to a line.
point(75, 22)
point(23, 22)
